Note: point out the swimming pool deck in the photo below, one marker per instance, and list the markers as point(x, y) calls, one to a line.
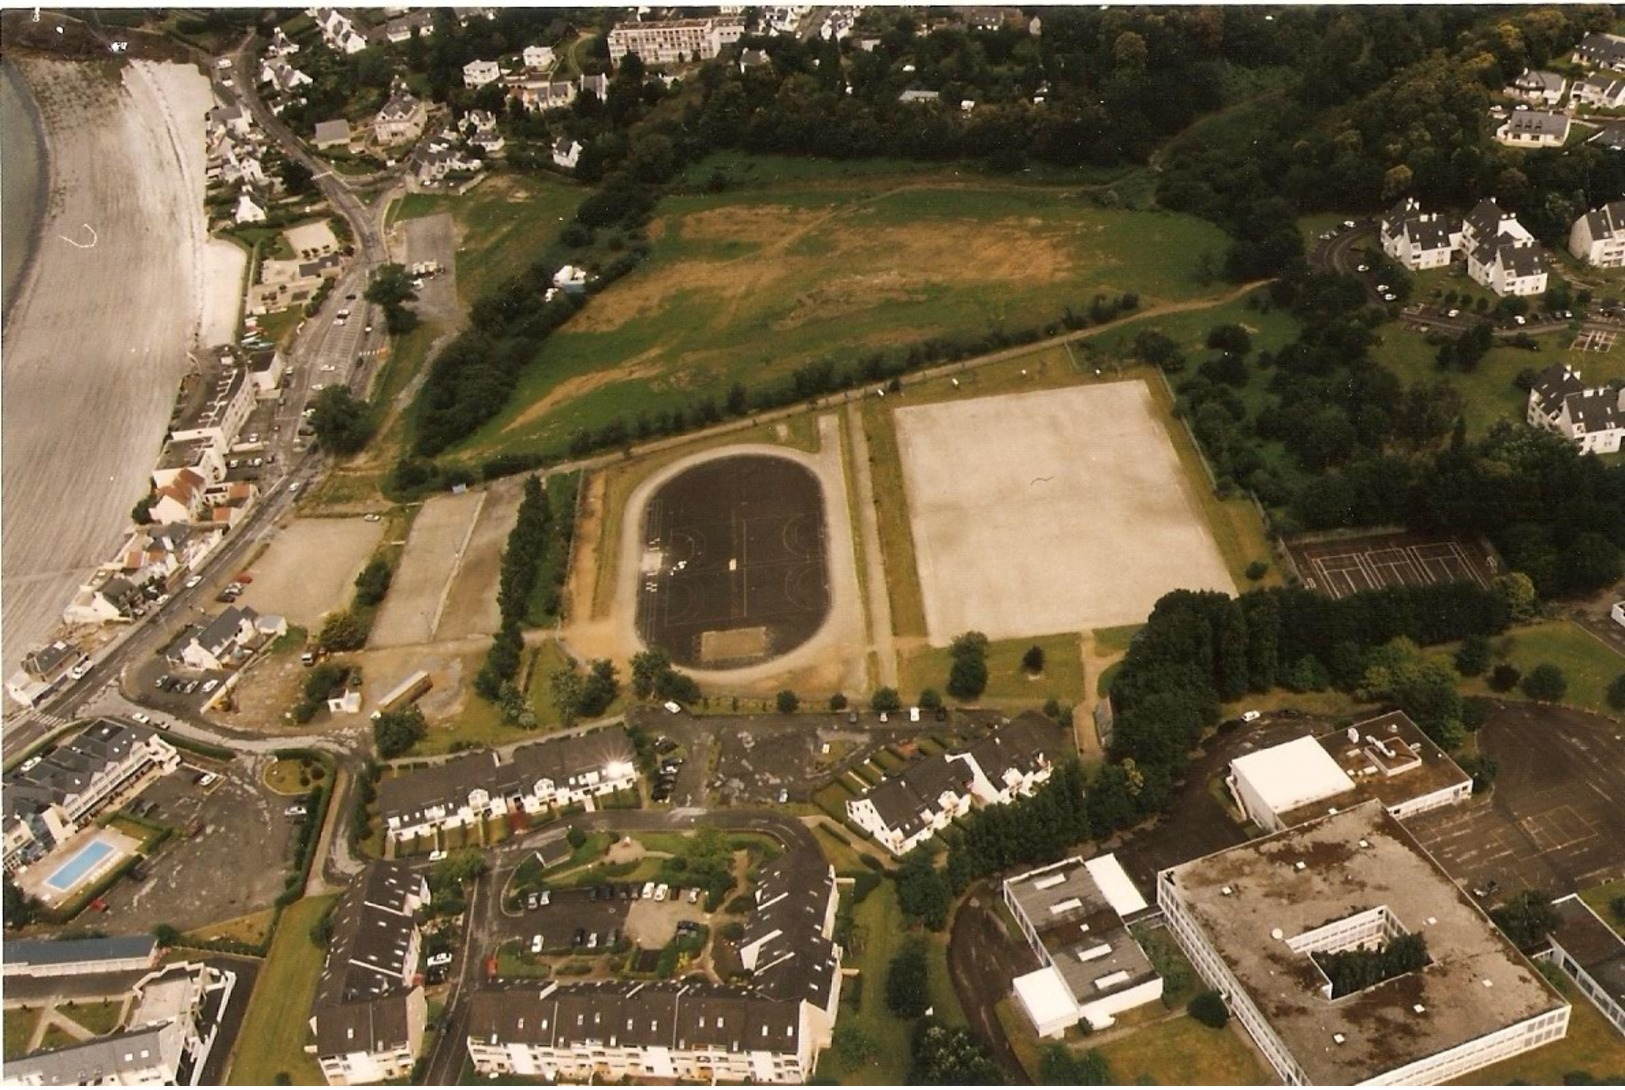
point(37, 879)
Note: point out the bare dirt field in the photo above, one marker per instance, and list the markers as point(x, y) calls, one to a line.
point(1054, 511)
point(434, 550)
point(310, 568)
point(99, 330)
point(471, 601)
point(434, 238)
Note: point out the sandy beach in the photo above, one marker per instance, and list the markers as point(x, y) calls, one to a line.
point(125, 282)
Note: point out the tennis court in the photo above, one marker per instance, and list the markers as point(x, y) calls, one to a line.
point(1350, 565)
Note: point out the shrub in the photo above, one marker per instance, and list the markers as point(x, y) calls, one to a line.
point(1208, 1008)
point(1545, 682)
point(787, 702)
point(1504, 677)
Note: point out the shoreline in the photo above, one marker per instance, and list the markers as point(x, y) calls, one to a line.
point(13, 75)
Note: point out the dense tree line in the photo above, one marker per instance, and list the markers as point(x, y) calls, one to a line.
point(521, 563)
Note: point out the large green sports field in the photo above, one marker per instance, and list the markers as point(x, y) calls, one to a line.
point(747, 286)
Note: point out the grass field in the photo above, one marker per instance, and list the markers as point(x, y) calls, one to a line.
point(1008, 686)
point(877, 935)
point(272, 1040)
point(1487, 392)
point(1591, 1046)
point(903, 590)
point(748, 285)
point(252, 928)
point(1182, 1051)
point(19, 1028)
point(99, 1018)
point(503, 225)
point(282, 776)
point(1587, 662)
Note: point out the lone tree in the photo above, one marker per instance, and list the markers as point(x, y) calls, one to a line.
point(885, 699)
point(967, 677)
point(391, 289)
point(1208, 1008)
point(342, 421)
point(787, 702)
point(1032, 660)
point(1527, 919)
point(1545, 682)
point(398, 731)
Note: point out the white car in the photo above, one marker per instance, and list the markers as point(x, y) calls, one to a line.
point(1251, 716)
point(206, 779)
point(1518, 318)
point(141, 717)
point(194, 581)
point(435, 857)
point(210, 685)
point(435, 961)
point(536, 944)
point(294, 488)
point(661, 891)
point(694, 895)
point(79, 671)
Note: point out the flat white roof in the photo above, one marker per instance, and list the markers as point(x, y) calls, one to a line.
point(1291, 774)
point(1115, 885)
point(1045, 995)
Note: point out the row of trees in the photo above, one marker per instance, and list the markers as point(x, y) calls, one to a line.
point(521, 564)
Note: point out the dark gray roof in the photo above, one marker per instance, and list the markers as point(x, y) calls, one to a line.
point(796, 960)
point(1027, 744)
point(16, 953)
point(1594, 410)
point(222, 631)
point(1536, 123)
point(360, 1000)
point(1428, 233)
point(1607, 221)
point(43, 661)
point(1606, 50)
point(624, 1013)
point(1485, 220)
point(1556, 383)
point(401, 105)
point(1521, 258)
point(1591, 943)
point(104, 1061)
point(1611, 137)
point(71, 766)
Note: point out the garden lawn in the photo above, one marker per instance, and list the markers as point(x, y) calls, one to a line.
point(272, 1040)
point(19, 1028)
point(1587, 662)
point(1008, 686)
point(1182, 1051)
point(252, 929)
point(747, 286)
point(1591, 1046)
point(503, 225)
point(877, 935)
point(98, 1018)
point(1487, 391)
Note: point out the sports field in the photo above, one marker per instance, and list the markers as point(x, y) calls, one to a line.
point(1053, 511)
point(734, 567)
point(748, 286)
point(1349, 565)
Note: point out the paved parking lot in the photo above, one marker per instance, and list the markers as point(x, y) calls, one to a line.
point(1556, 819)
point(233, 862)
point(569, 911)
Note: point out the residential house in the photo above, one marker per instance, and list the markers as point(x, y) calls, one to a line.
point(479, 73)
point(247, 211)
point(402, 118)
point(440, 158)
point(909, 807)
point(1598, 237)
point(213, 402)
point(541, 94)
point(265, 370)
point(474, 787)
point(369, 1014)
point(338, 29)
point(537, 58)
point(674, 41)
point(753, 58)
point(1539, 88)
point(598, 84)
point(917, 97)
point(1418, 240)
point(1599, 92)
point(770, 1030)
point(181, 500)
point(281, 45)
point(1610, 137)
point(105, 599)
point(1501, 254)
point(479, 127)
point(224, 642)
point(1601, 51)
point(1014, 760)
point(1534, 129)
point(1592, 418)
point(400, 28)
point(229, 119)
point(566, 152)
point(44, 670)
point(283, 77)
point(331, 134)
point(84, 777)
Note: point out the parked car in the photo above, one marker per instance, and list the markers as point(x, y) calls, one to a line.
point(205, 779)
point(661, 891)
point(141, 717)
point(648, 891)
point(296, 810)
point(545, 898)
point(435, 857)
point(210, 685)
point(694, 895)
point(536, 944)
point(579, 937)
point(531, 902)
point(437, 960)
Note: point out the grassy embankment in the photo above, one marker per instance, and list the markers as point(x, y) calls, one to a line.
point(750, 284)
point(272, 1040)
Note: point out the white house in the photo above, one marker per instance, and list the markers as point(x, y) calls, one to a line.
point(1534, 129)
point(105, 599)
point(1539, 88)
point(1091, 967)
point(401, 119)
point(480, 73)
point(566, 152)
point(1600, 92)
point(1598, 237)
point(282, 76)
point(1501, 254)
point(674, 41)
point(1419, 240)
point(247, 211)
point(229, 119)
point(44, 670)
point(181, 500)
point(338, 30)
point(537, 58)
point(224, 641)
point(1592, 418)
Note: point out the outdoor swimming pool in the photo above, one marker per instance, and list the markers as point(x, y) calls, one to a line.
point(83, 862)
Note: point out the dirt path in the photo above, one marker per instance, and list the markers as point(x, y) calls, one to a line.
point(879, 602)
point(1095, 664)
